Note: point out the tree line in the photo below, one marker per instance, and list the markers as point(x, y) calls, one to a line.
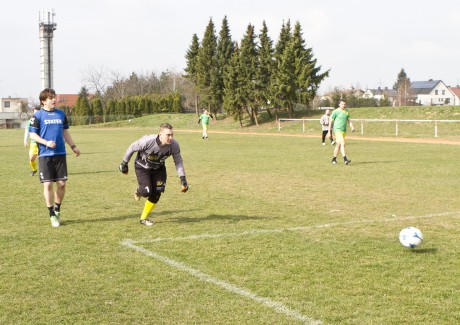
point(245, 77)
point(221, 75)
point(124, 98)
point(90, 109)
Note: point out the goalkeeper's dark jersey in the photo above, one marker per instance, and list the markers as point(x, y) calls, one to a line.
point(150, 155)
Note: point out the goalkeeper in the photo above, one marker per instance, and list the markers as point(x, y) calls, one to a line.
point(149, 165)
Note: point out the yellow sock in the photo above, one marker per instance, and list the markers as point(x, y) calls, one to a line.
point(148, 207)
point(33, 164)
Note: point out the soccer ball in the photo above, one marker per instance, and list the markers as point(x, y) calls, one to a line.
point(411, 237)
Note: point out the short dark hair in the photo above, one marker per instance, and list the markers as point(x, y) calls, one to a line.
point(166, 126)
point(342, 100)
point(47, 93)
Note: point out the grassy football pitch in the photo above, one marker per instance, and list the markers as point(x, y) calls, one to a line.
point(269, 233)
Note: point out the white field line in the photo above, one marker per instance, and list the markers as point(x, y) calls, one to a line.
point(270, 231)
point(278, 307)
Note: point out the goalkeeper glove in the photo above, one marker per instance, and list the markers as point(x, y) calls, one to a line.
point(183, 182)
point(123, 167)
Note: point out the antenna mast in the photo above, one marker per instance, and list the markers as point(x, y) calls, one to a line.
point(47, 26)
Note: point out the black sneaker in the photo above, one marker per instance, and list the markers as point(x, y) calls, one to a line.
point(334, 160)
point(346, 161)
point(32, 173)
point(146, 222)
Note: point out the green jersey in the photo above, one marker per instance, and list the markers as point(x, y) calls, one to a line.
point(26, 133)
point(205, 119)
point(340, 118)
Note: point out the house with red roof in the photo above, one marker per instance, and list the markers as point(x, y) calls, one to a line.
point(456, 92)
point(68, 100)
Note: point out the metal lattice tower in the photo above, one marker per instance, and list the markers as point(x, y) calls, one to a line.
point(47, 26)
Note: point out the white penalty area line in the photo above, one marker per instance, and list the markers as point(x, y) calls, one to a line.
point(271, 231)
point(279, 307)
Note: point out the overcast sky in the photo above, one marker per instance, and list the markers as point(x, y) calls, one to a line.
point(364, 43)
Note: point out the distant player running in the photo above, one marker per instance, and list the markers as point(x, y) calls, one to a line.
point(204, 119)
point(339, 119)
point(33, 148)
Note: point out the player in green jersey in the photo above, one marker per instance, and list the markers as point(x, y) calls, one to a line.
point(204, 119)
point(33, 148)
point(339, 119)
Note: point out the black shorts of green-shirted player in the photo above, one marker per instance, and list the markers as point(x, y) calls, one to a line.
point(152, 151)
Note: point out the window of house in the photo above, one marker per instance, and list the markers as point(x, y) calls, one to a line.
point(6, 104)
point(436, 92)
point(443, 92)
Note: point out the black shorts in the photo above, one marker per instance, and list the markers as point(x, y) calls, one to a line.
point(150, 180)
point(52, 169)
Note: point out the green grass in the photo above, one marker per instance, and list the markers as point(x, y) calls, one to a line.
point(268, 215)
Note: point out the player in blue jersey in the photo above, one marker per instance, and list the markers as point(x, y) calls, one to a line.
point(50, 129)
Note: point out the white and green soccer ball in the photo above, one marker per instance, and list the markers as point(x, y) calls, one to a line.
point(411, 237)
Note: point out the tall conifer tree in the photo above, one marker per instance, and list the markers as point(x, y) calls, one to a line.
point(207, 77)
point(283, 84)
point(82, 109)
point(192, 66)
point(232, 91)
point(224, 53)
point(247, 72)
point(308, 76)
point(265, 67)
point(285, 80)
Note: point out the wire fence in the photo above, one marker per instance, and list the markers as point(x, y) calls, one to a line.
point(410, 126)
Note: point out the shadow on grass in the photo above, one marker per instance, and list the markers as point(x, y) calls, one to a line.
point(211, 217)
point(125, 217)
point(108, 219)
point(93, 152)
point(425, 251)
point(97, 172)
point(373, 162)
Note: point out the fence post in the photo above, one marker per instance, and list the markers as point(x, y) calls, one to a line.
point(396, 128)
point(435, 129)
point(303, 126)
point(279, 125)
point(362, 127)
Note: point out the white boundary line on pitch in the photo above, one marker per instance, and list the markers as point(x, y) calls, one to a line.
point(269, 231)
point(278, 307)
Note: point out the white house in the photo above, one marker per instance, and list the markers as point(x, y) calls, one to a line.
point(11, 105)
point(456, 92)
point(380, 93)
point(431, 93)
point(10, 111)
